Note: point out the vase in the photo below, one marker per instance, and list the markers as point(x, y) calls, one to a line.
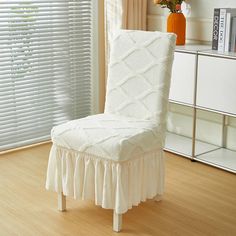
point(176, 23)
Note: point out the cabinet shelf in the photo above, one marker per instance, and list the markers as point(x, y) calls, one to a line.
point(222, 158)
point(215, 111)
point(183, 145)
point(208, 83)
point(181, 103)
point(215, 53)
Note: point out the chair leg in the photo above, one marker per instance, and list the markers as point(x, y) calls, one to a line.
point(117, 221)
point(158, 198)
point(61, 202)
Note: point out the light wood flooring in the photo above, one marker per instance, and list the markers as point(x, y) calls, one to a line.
point(199, 200)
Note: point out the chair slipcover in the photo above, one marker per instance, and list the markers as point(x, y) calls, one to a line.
point(116, 158)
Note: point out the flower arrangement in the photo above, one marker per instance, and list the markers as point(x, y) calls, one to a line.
point(173, 5)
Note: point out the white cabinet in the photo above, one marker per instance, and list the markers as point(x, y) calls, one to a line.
point(205, 82)
point(183, 73)
point(216, 83)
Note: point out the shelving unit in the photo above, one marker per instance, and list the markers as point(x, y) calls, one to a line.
point(208, 83)
point(182, 145)
point(222, 158)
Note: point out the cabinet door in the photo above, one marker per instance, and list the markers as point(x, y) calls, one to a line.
point(216, 84)
point(182, 80)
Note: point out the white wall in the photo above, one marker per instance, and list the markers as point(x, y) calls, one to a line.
point(199, 17)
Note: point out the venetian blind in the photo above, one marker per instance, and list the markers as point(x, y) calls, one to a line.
point(45, 67)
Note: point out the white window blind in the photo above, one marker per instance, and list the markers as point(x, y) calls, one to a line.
point(45, 67)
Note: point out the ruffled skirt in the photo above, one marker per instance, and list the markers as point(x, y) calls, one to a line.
point(112, 185)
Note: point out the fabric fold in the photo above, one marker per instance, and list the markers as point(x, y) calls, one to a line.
point(110, 184)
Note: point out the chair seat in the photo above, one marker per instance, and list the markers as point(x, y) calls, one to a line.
point(108, 136)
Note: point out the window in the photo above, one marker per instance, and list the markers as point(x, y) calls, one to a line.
point(45, 67)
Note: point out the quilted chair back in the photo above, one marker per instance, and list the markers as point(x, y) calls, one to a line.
point(139, 74)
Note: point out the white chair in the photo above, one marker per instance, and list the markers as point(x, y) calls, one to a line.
point(116, 158)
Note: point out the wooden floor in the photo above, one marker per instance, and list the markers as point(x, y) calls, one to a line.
point(199, 200)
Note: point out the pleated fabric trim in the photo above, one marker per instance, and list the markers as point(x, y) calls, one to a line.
point(112, 185)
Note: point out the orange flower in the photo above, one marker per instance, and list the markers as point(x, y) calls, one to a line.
point(173, 5)
point(178, 7)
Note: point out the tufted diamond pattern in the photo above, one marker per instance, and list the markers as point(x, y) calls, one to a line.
point(138, 85)
point(139, 74)
point(109, 136)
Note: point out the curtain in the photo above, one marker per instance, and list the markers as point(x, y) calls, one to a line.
point(134, 14)
point(113, 21)
point(45, 67)
point(126, 14)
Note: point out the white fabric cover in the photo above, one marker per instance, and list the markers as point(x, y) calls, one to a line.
point(109, 136)
point(116, 158)
point(139, 74)
point(113, 185)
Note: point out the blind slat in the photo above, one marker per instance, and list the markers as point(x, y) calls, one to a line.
point(58, 64)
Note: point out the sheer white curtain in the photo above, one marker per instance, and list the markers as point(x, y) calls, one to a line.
point(45, 67)
point(126, 14)
point(113, 21)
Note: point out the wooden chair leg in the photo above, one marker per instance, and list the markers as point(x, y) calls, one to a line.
point(117, 221)
point(61, 202)
point(158, 198)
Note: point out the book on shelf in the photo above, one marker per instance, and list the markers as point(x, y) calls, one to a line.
point(233, 35)
point(215, 31)
point(223, 28)
point(229, 16)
